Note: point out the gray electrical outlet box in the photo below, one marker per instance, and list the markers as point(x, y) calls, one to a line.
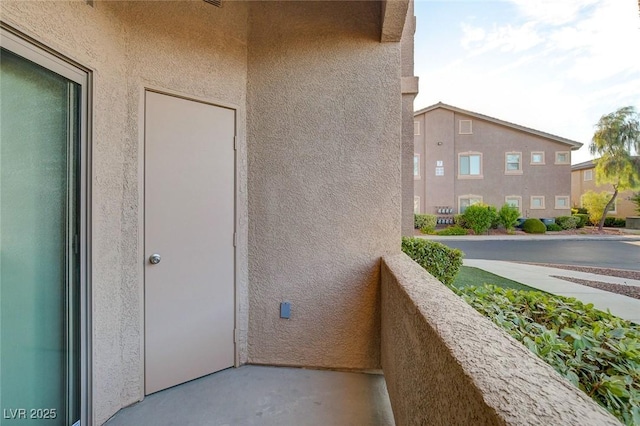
point(285, 310)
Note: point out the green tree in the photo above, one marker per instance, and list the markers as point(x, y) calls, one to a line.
point(636, 200)
point(595, 203)
point(617, 136)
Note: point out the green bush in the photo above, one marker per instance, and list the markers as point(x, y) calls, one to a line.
point(596, 351)
point(424, 221)
point(453, 230)
point(534, 226)
point(614, 222)
point(583, 218)
point(567, 222)
point(439, 260)
point(595, 203)
point(508, 216)
point(579, 210)
point(495, 219)
point(478, 217)
point(553, 227)
point(458, 219)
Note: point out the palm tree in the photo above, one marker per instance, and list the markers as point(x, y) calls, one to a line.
point(617, 136)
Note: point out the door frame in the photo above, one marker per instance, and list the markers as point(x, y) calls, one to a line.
point(37, 52)
point(238, 249)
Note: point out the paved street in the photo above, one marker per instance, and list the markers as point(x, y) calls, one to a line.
point(599, 253)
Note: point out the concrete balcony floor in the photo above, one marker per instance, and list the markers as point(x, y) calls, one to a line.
point(260, 395)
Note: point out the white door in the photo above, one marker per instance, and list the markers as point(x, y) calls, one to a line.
point(189, 223)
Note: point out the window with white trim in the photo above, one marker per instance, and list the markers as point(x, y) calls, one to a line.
point(563, 157)
point(465, 127)
point(514, 201)
point(513, 163)
point(416, 166)
point(416, 128)
point(562, 202)
point(469, 165)
point(587, 175)
point(416, 204)
point(465, 201)
point(537, 158)
point(537, 202)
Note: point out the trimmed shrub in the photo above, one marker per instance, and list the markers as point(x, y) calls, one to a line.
point(567, 222)
point(508, 216)
point(614, 222)
point(579, 210)
point(439, 260)
point(478, 217)
point(554, 227)
point(596, 351)
point(453, 230)
point(534, 226)
point(421, 221)
point(583, 218)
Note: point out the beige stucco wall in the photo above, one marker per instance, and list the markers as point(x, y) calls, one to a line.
point(493, 141)
point(445, 364)
point(409, 92)
point(624, 206)
point(186, 47)
point(323, 131)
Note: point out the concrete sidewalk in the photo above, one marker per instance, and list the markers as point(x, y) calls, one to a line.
point(539, 277)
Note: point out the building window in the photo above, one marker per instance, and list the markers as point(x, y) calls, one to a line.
point(465, 127)
point(513, 163)
point(416, 166)
point(470, 165)
point(537, 158)
point(416, 128)
point(416, 204)
point(588, 175)
point(537, 202)
point(563, 157)
point(465, 201)
point(514, 201)
point(562, 202)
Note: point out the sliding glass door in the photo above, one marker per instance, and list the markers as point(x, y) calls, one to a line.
point(40, 230)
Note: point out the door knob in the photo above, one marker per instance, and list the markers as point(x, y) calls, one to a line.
point(154, 259)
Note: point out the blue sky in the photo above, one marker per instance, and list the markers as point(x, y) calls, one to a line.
point(553, 65)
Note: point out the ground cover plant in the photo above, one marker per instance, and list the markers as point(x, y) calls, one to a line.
point(596, 351)
point(453, 230)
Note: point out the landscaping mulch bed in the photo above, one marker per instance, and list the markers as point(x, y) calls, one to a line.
point(625, 290)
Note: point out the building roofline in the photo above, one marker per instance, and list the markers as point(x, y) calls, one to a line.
point(584, 165)
point(574, 145)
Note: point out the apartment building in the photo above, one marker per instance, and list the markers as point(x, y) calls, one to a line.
point(462, 158)
point(583, 179)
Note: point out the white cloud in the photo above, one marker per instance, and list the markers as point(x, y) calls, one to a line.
point(506, 38)
point(554, 12)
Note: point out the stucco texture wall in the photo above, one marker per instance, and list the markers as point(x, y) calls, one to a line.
point(129, 46)
point(445, 364)
point(324, 145)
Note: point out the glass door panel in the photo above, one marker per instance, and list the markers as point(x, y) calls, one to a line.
point(39, 278)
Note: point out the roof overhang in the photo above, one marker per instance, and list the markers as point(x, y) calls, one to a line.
point(394, 14)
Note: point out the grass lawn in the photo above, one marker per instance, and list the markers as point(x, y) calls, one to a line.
point(468, 276)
